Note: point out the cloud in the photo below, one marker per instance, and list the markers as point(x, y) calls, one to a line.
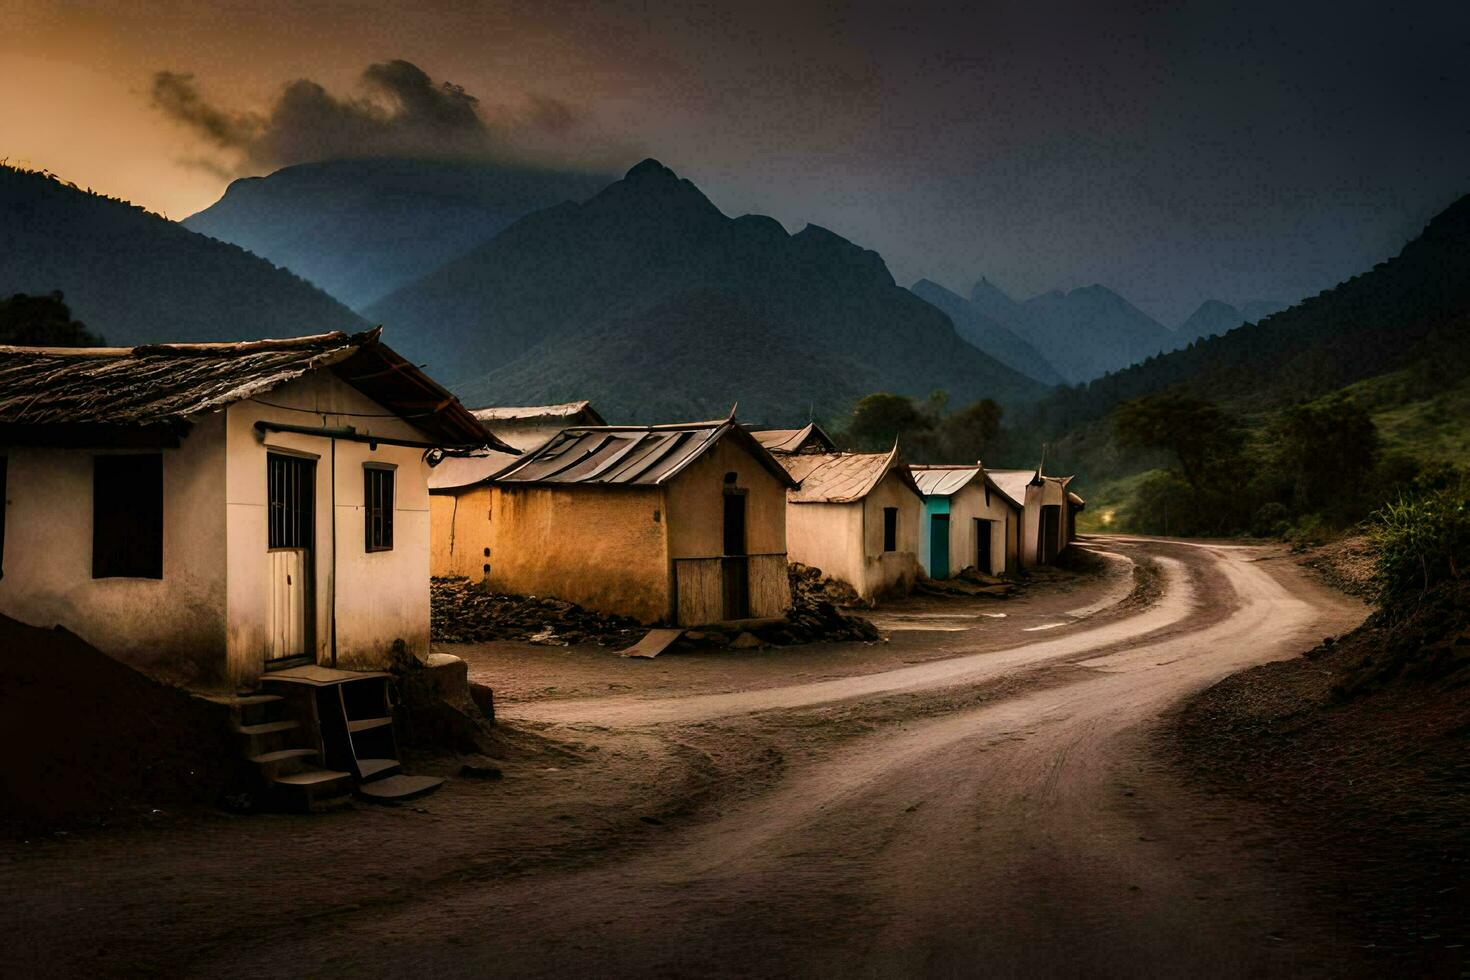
point(401, 112)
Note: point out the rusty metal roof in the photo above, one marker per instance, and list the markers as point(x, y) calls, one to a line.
point(630, 455)
point(809, 438)
point(107, 392)
point(839, 478)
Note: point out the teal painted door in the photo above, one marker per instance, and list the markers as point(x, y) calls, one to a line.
point(939, 546)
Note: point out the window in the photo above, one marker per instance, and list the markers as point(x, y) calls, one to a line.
point(127, 516)
point(377, 498)
point(290, 494)
point(890, 528)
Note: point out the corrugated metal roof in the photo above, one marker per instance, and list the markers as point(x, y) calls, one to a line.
point(943, 481)
point(809, 437)
point(114, 389)
point(1013, 483)
point(460, 471)
point(630, 455)
point(834, 478)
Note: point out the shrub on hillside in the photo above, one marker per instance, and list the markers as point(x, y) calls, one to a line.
point(1423, 540)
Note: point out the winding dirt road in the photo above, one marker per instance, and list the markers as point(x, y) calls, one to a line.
point(999, 812)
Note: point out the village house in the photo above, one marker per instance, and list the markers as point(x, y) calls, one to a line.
point(969, 522)
point(527, 426)
point(857, 517)
point(810, 438)
point(1050, 521)
point(209, 512)
point(682, 524)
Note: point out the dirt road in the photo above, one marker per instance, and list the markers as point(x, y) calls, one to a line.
point(994, 811)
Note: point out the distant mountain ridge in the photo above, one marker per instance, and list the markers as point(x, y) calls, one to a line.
point(546, 309)
point(987, 333)
point(136, 277)
point(361, 228)
point(1083, 333)
point(1214, 317)
point(1410, 311)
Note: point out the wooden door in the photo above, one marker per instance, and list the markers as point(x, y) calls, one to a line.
point(983, 556)
point(939, 546)
point(291, 534)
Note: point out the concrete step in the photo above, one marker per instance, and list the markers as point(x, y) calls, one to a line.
point(396, 789)
point(257, 709)
point(311, 790)
point(270, 736)
point(284, 761)
point(372, 769)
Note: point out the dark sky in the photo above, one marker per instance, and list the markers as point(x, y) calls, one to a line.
point(1175, 152)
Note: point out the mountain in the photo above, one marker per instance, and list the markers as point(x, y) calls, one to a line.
point(1211, 319)
point(1090, 331)
point(361, 228)
point(552, 299)
point(987, 333)
point(1411, 312)
point(750, 358)
point(1082, 334)
point(1214, 317)
point(136, 277)
point(990, 300)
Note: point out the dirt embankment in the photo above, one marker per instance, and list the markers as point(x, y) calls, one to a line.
point(89, 740)
point(1361, 751)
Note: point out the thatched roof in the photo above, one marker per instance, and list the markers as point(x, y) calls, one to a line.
point(49, 393)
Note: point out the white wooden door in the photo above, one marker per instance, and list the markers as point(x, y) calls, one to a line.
point(291, 493)
point(289, 603)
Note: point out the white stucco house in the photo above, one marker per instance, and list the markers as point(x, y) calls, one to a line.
point(208, 512)
point(1050, 512)
point(856, 516)
point(970, 522)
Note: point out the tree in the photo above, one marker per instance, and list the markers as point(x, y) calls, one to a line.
point(1200, 436)
point(879, 419)
point(965, 435)
point(42, 321)
point(1330, 448)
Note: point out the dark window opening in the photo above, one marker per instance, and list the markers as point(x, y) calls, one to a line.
point(378, 508)
point(290, 489)
point(127, 516)
point(890, 528)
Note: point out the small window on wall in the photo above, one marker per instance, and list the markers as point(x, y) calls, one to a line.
point(378, 509)
point(127, 516)
point(890, 528)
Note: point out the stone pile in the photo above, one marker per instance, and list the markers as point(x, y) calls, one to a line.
point(461, 612)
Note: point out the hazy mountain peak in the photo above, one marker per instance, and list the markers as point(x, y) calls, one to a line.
point(650, 169)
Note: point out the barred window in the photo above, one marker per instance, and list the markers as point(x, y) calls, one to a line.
point(378, 507)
